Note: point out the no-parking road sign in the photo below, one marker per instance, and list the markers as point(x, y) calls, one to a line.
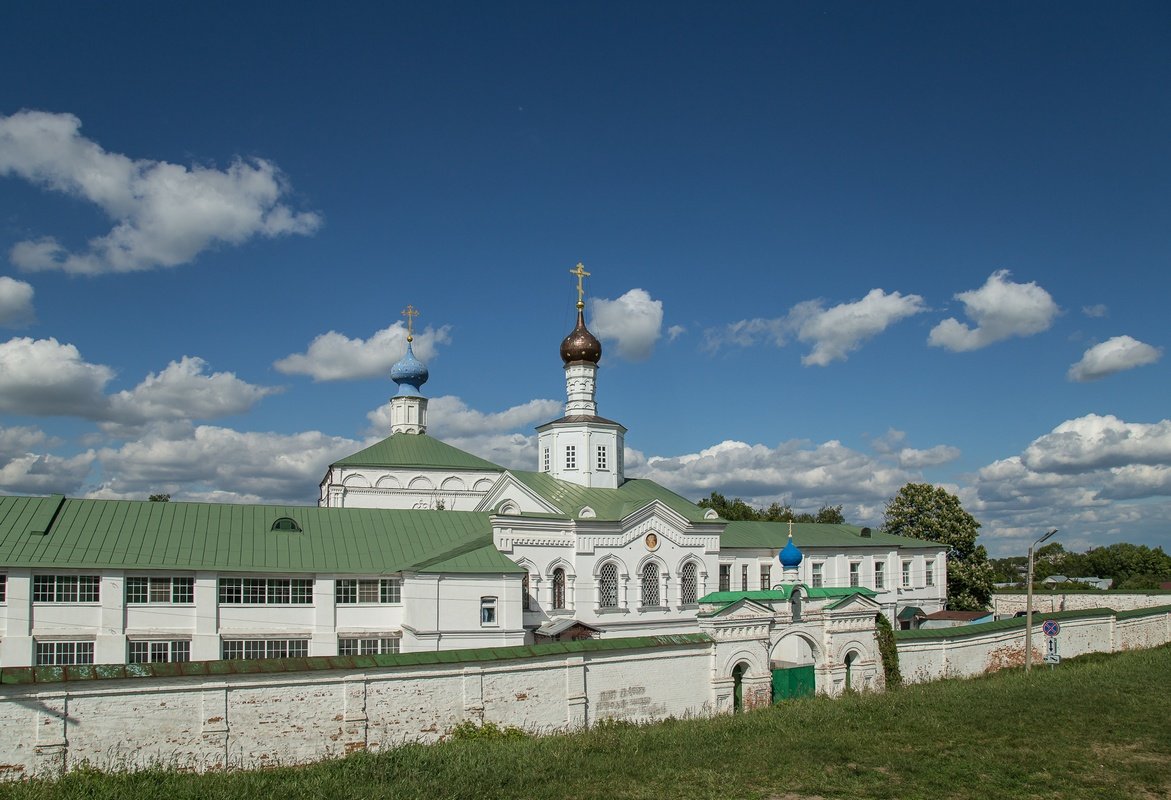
point(1051, 627)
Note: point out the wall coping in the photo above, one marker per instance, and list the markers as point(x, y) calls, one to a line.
point(20, 676)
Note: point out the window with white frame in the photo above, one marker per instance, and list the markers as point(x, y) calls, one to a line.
point(56, 654)
point(608, 586)
point(907, 574)
point(525, 602)
point(347, 646)
point(571, 456)
point(650, 585)
point(265, 591)
point(879, 575)
point(744, 577)
point(369, 591)
point(559, 588)
point(545, 460)
point(766, 576)
point(66, 589)
point(172, 591)
point(818, 574)
point(725, 577)
point(601, 456)
point(689, 584)
point(488, 612)
point(232, 649)
point(930, 573)
point(855, 573)
point(156, 652)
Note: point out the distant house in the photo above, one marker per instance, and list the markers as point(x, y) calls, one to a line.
point(1097, 583)
point(954, 619)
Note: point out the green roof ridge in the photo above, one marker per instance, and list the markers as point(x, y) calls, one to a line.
point(608, 504)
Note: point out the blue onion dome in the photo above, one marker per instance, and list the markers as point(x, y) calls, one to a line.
point(580, 344)
point(409, 373)
point(790, 556)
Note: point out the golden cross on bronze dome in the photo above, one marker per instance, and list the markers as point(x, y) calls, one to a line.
point(580, 272)
point(410, 312)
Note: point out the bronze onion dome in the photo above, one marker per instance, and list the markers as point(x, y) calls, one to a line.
point(580, 344)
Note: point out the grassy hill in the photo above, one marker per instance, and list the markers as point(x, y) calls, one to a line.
point(1097, 727)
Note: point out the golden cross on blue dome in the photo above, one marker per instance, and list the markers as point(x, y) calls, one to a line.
point(410, 312)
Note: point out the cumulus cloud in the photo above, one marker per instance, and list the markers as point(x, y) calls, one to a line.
point(16, 303)
point(633, 323)
point(1112, 356)
point(834, 332)
point(23, 471)
point(334, 356)
point(43, 377)
point(1000, 309)
point(164, 214)
point(1095, 442)
point(197, 461)
point(838, 331)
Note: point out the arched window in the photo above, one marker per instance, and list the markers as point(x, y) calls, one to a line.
point(525, 603)
point(650, 585)
point(608, 586)
point(559, 588)
point(689, 585)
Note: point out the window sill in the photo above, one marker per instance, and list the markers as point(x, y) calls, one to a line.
point(614, 610)
point(645, 609)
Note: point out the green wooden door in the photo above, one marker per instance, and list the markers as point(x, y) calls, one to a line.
point(793, 682)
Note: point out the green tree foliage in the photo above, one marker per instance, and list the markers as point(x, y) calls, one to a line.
point(160, 498)
point(737, 510)
point(888, 651)
point(1130, 566)
point(927, 512)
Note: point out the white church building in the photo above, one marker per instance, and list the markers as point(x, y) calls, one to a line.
point(416, 545)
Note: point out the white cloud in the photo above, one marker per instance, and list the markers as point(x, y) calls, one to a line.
point(1000, 309)
point(910, 458)
point(201, 461)
point(165, 214)
point(16, 303)
point(1096, 311)
point(1095, 442)
point(184, 390)
point(838, 331)
point(633, 322)
point(1111, 356)
point(334, 356)
point(23, 471)
point(674, 332)
point(834, 332)
point(43, 377)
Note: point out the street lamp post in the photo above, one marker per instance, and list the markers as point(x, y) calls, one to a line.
point(1029, 602)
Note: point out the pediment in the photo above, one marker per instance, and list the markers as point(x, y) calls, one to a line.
point(855, 604)
point(743, 609)
point(510, 496)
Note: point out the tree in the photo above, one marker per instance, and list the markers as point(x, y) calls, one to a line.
point(160, 498)
point(927, 512)
point(737, 510)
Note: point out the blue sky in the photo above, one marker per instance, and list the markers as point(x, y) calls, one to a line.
point(834, 247)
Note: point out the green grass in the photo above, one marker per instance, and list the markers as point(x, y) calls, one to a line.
point(1096, 727)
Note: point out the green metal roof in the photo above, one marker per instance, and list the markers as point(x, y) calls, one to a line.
point(774, 535)
point(608, 504)
point(143, 535)
point(781, 594)
point(27, 675)
point(415, 450)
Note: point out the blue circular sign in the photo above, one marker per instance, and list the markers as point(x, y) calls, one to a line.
point(1051, 627)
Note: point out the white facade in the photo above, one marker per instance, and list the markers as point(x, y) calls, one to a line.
point(399, 487)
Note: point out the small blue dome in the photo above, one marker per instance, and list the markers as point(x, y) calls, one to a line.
point(790, 556)
point(410, 374)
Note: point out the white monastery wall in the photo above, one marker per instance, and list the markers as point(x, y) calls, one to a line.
point(250, 720)
point(959, 653)
point(1006, 604)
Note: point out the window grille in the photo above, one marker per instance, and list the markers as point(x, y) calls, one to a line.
point(689, 585)
point(525, 602)
point(650, 585)
point(608, 586)
point(559, 588)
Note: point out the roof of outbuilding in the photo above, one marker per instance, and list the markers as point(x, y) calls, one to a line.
point(416, 450)
point(774, 535)
point(215, 536)
point(608, 504)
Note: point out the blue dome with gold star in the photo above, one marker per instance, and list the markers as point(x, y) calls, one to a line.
point(409, 373)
